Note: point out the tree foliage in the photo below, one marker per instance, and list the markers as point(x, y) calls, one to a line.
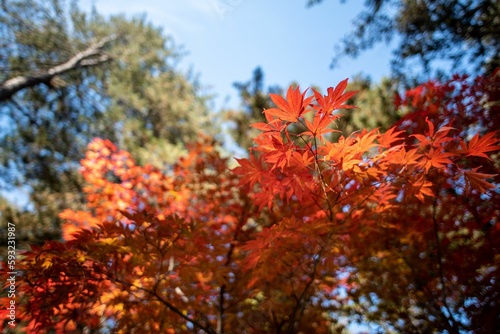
point(374, 103)
point(435, 266)
point(67, 76)
point(396, 228)
point(254, 100)
point(462, 33)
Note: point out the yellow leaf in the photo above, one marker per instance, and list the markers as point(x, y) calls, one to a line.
point(47, 264)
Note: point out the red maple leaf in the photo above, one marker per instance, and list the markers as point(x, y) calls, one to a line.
point(434, 138)
point(475, 180)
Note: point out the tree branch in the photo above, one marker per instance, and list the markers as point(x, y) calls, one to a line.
point(171, 307)
point(301, 302)
point(221, 309)
point(91, 56)
point(450, 318)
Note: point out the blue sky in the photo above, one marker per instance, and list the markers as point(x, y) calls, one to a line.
point(227, 39)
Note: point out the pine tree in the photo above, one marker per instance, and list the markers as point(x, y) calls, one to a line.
point(67, 76)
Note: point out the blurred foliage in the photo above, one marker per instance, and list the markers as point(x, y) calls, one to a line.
point(139, 99)
point(452, 241)
point(254, 99)
point(374, 106)
point(464, 33)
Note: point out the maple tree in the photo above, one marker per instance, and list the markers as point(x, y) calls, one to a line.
point(395, 228)
point(443, 256)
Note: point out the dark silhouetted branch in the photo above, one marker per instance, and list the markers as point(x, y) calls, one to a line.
point(92, 56)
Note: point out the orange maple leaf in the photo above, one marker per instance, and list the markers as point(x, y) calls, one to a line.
point(422, 187)
point(292, 108)
point(478, 146)
point(273, 124)
point(334, 99)
point(319, 126)
point(281, 153)
point(251, 170)
point(390, 137)
point(399, 156)
point(437, 159)
point(365, 141)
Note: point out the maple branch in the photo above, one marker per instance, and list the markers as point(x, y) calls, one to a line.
point(277, 324)
point(220, 316)
point(92, 56)
point(323, 182)
point(329, 212)
point(300, 305)
point(195, 323)
point(440, 270)
point(171, 307)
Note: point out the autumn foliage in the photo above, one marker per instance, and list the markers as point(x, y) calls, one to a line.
point(397, 229)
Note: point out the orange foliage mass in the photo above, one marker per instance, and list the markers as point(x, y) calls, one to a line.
point(300, 231)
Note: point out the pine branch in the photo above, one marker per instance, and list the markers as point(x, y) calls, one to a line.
point(92, 56)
